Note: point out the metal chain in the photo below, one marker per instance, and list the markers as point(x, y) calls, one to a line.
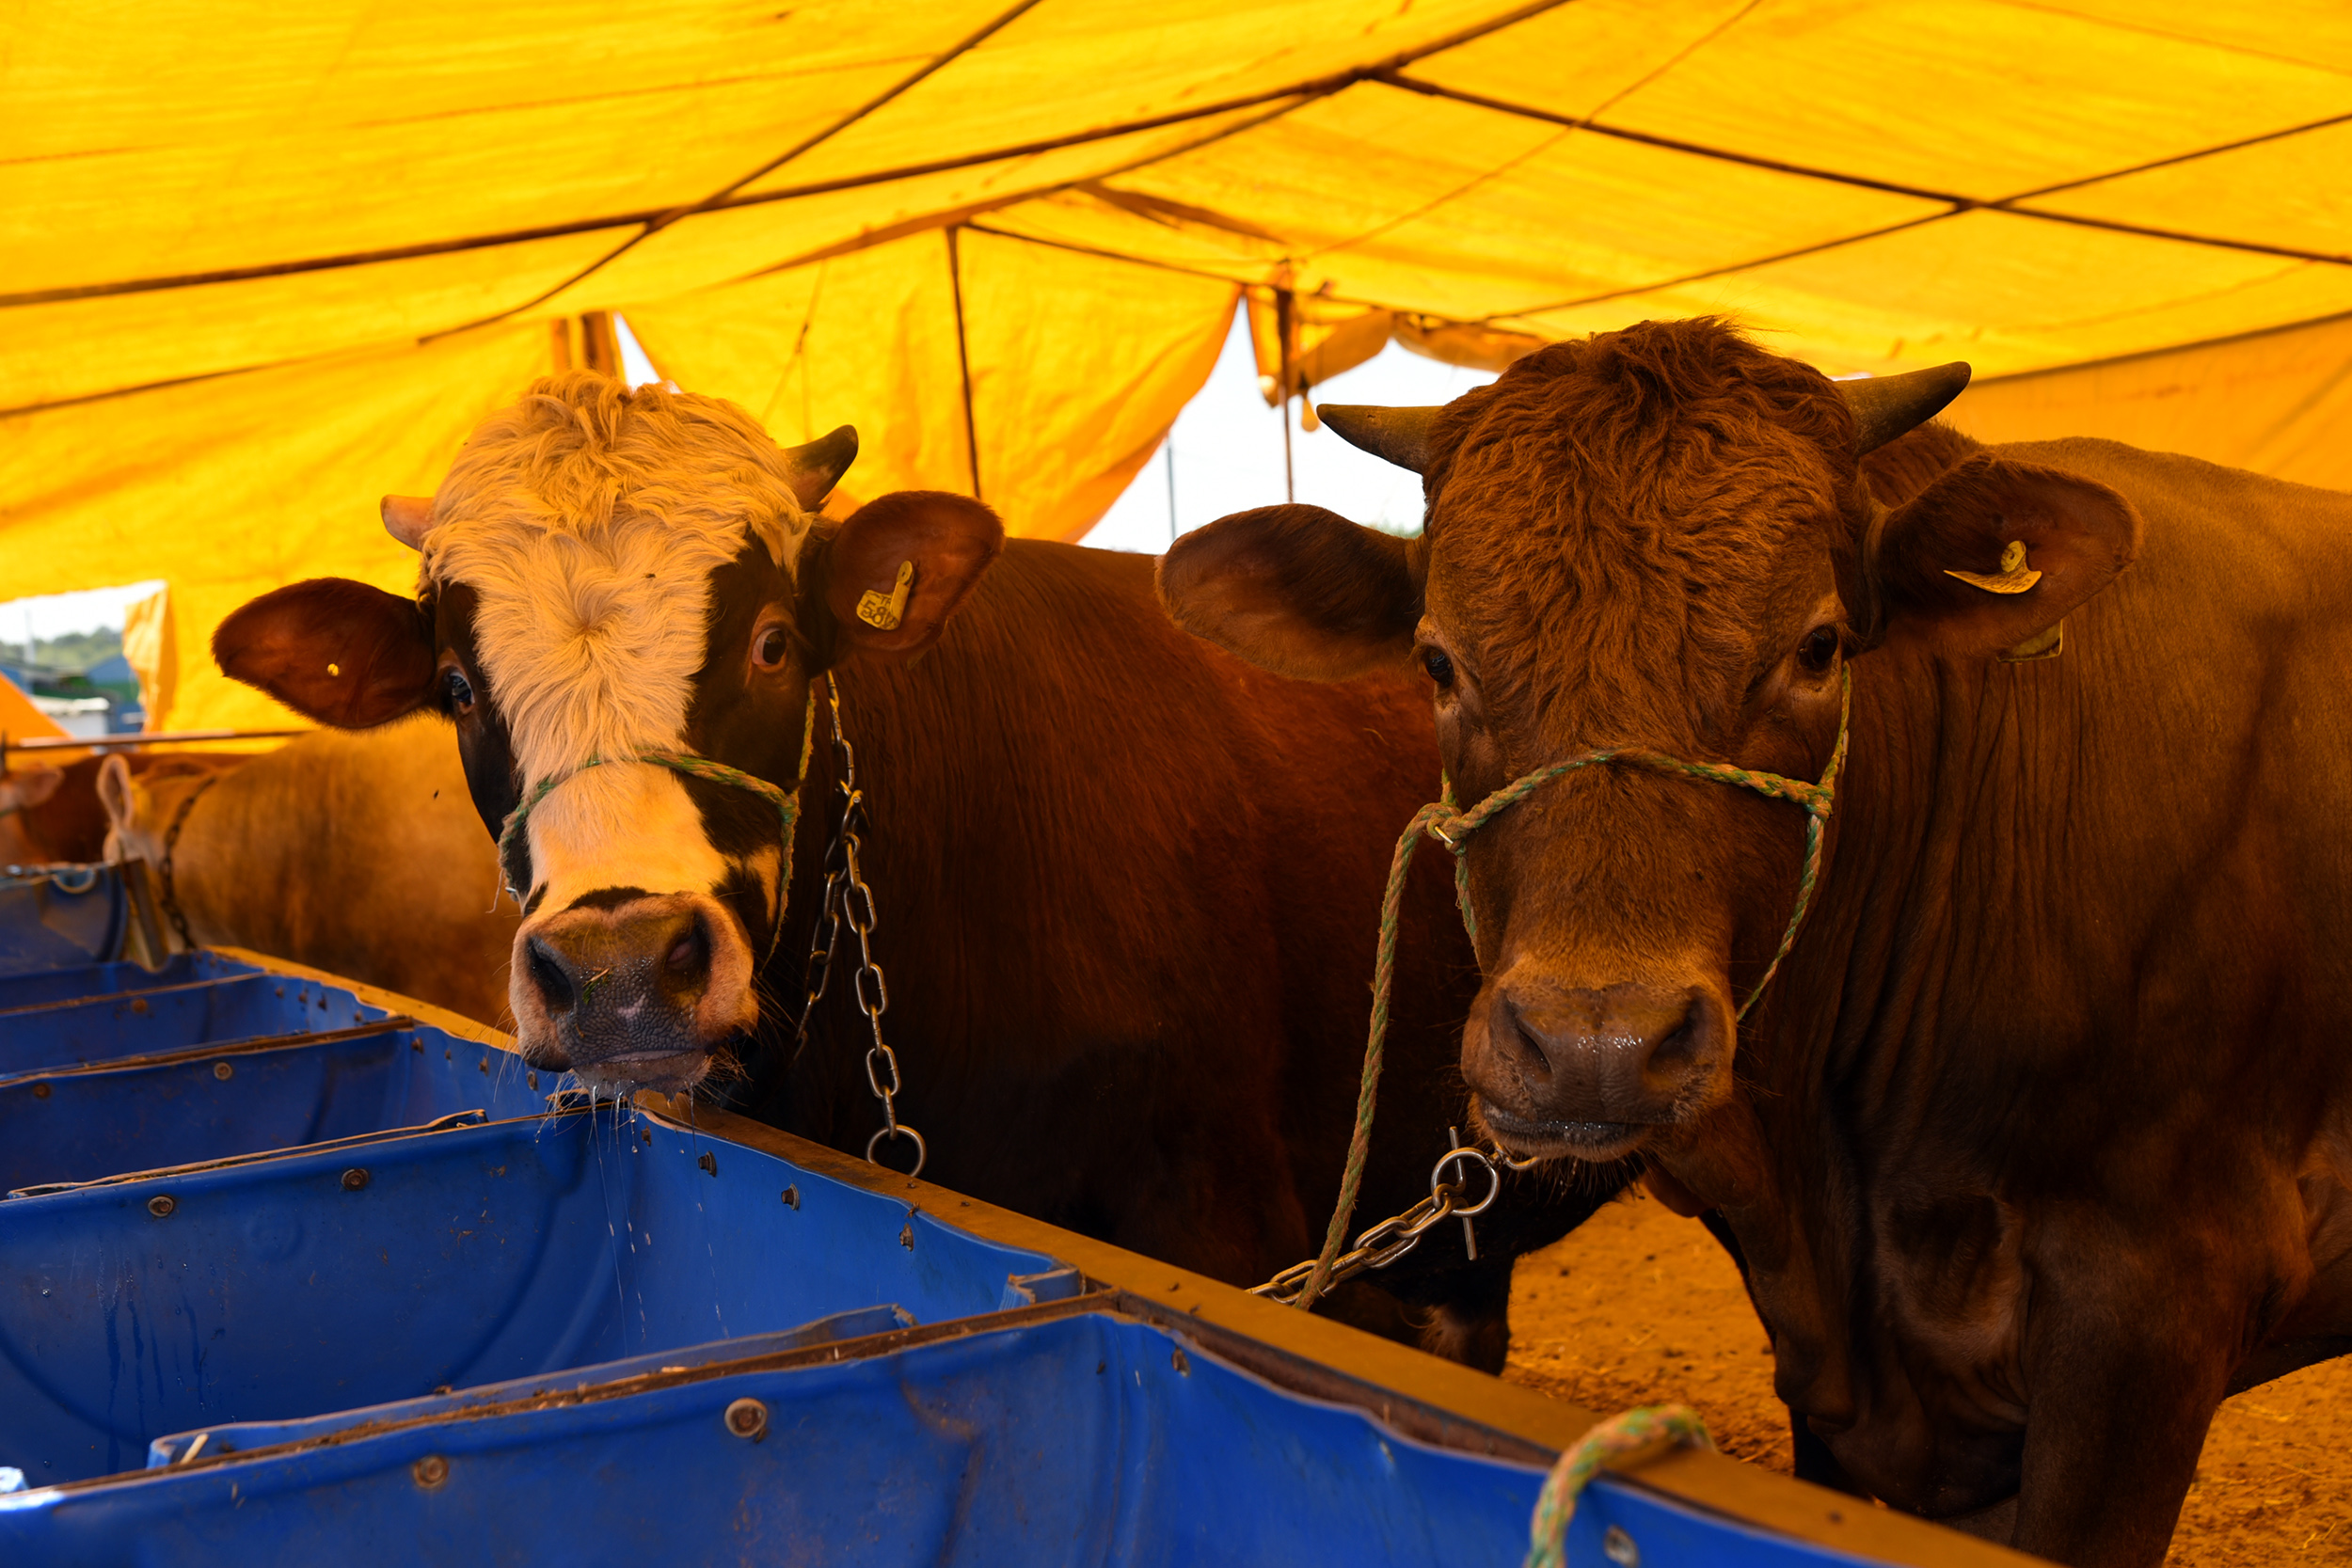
point(1392, 1237)
point(846, 897)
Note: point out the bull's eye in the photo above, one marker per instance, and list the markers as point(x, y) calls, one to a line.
point(456, 691)
point(1818, 650)
point(1440, 668)
point(770, 646)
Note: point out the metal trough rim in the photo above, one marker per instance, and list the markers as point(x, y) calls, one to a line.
point(248, 1045)
point(124, 998)
point(860, 1348)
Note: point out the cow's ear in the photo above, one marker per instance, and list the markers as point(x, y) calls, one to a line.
point(898, 566)
point(32, 787)
point(1992, 555)
point(1295, 590)
point(121, 796)
point(339, 651)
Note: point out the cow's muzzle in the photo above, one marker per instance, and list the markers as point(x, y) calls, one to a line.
point(635, 993)
point(1592, 1073)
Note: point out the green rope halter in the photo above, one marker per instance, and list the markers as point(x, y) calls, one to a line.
point(1441, 821)
point(787, 802)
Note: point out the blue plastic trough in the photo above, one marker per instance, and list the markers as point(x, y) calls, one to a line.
point(298, 1273)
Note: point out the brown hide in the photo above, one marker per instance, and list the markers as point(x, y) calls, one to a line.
point(2047, 1145)
point(358, 854)
point(2042, 1141)
point(1129, 887)
point(69, 825)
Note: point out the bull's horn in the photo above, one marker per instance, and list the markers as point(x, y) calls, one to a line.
point(1400, 434)
point(818, 466)
point(1885, 407)
point(406, 517)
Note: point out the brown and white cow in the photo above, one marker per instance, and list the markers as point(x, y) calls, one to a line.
point(2039, 1144)
point(1127, 884)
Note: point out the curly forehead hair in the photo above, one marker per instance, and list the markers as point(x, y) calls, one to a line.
point(579, 453)
point(589, 518)
point(1607, 521)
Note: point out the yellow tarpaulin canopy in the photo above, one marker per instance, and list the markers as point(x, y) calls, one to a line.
point(261, 264)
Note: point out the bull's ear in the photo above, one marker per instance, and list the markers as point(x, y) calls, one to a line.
point(1295, 590)
point(30, 788)
point(1992, 556)
point(339, 651)
point(898, 566)
point(121, 796)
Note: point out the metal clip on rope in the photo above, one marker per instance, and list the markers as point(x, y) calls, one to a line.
point(846, 897)
point(1392, 1237)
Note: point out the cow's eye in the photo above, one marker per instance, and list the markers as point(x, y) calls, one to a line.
point(1818, 650)
point(1440, 668)
point(770, 646)
point(456, 691)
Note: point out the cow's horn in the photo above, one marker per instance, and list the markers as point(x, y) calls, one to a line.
point(1885, 407)
point(818, 466)
point(1399, 435)
point(408, 518)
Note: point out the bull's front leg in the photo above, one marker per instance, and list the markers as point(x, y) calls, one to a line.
point(2126, 1362)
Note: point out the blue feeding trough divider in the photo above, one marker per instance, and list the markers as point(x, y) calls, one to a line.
point(62, 917)
point(83, 981)
point(244, 1436)
point(1086, 1438)
point(297, 1284)
point(209, 1102)
point(288, 1276)
point(167, 1018)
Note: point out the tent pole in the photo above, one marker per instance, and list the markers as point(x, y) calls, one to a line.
point(963, 358)
point(1289, 488)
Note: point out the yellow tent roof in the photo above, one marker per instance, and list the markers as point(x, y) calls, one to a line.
point(262, 263)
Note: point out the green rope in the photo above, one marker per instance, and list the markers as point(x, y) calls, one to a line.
point(787, 802)
point(1450, 828)
point(1611, 1442)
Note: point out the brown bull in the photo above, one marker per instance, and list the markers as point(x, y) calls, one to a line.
point(2038, 1143)
point(1127, 884)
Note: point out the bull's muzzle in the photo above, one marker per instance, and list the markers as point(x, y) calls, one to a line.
point(1590, 1071)
point(635, 993)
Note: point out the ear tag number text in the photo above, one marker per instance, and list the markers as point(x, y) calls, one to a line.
point(885, 612)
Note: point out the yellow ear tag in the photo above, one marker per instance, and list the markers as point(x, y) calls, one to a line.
point(885, 612)
point(2015, 576)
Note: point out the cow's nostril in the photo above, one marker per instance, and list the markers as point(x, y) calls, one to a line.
point(1679, 1050)
point(1517, 1043)
point(690, 952)
point(546, 973)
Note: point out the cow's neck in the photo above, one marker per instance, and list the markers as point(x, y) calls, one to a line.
point(1843, 1063)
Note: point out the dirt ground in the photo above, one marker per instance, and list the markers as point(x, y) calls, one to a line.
point(1639, 1306)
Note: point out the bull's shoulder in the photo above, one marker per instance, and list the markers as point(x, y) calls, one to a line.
point(1088, 624)
point(2181, 479)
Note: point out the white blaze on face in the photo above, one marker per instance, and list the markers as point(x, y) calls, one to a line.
point(589, 521)
point(618, 827)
